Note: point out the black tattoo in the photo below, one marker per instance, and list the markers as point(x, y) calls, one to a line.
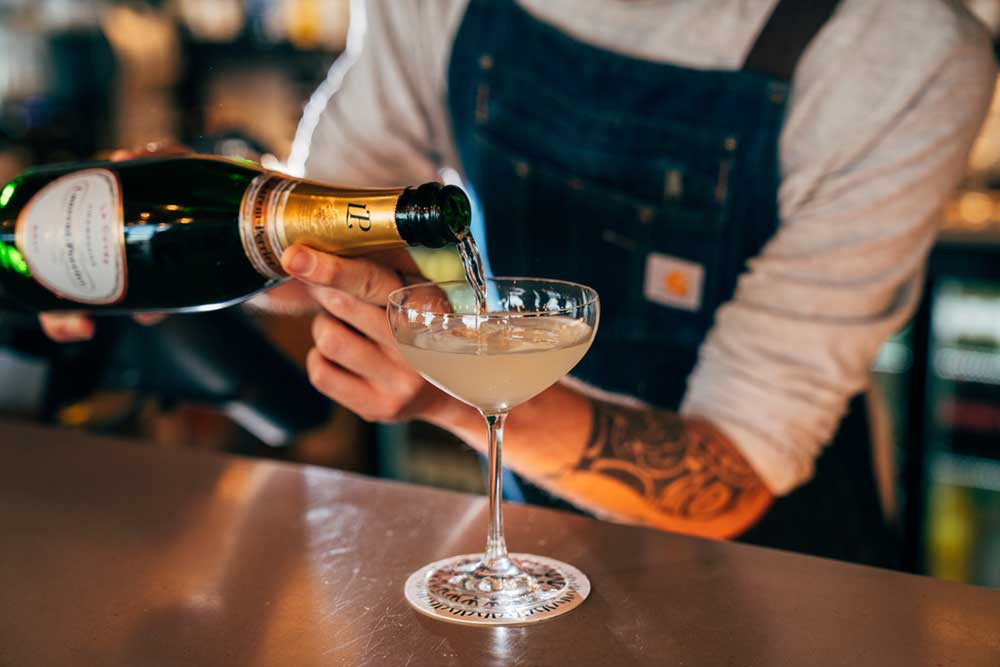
point(683, 468)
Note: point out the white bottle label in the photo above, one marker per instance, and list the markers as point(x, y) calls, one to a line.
point(72, 237)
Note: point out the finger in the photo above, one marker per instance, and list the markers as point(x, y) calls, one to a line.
point(363, 278)
point(367, 318)
point(338, 384)
point(67, 327)
point(347, 348)
point(148, 318)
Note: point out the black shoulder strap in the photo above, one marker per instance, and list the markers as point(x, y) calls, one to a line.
point(785, 36)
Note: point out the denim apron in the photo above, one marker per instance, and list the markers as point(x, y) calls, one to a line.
point(653, 184)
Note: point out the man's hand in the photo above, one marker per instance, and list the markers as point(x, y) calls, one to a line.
point(355, 361)
point(74, 327)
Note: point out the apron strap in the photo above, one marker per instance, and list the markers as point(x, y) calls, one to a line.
point(789, 30)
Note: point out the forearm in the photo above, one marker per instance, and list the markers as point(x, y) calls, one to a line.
point(645, 466)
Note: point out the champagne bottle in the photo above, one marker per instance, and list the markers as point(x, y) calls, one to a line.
point(182, 233)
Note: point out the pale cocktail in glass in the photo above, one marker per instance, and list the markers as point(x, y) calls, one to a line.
point(532, 332)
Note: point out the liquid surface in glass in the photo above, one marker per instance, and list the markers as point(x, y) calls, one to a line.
point(501, 362)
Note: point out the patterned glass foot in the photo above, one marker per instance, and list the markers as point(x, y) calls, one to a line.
point(528, 589)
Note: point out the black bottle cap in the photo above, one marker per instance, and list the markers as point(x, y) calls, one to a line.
point(433, 215)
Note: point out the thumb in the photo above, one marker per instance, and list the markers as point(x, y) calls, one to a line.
point(362, 278)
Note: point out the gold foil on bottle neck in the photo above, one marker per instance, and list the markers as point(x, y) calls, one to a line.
point(279, 212)
point(345, 222)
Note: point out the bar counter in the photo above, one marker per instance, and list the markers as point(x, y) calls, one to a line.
point(123, 553)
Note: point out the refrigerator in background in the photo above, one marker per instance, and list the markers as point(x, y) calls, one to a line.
point(961, 400)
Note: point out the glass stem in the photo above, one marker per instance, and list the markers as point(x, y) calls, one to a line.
point(496, 548)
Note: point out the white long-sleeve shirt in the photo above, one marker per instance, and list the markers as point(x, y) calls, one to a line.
point(885, 104)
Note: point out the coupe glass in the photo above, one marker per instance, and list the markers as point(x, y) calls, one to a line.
point(533, 333)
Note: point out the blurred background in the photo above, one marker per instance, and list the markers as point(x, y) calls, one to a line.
point(82, 77)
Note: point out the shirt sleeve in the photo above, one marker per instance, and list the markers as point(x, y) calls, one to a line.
point(873, 144)
point(371, 122)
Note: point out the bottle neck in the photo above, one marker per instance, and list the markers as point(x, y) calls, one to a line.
point(278, 212)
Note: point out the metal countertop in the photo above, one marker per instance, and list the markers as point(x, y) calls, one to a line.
point(122, 553)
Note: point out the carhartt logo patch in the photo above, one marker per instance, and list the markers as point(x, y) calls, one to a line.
point(673, 281)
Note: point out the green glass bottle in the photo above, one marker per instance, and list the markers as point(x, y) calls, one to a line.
point(181, 233)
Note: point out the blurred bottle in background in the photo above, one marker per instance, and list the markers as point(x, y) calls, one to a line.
point(146, 44)
point(56, 79)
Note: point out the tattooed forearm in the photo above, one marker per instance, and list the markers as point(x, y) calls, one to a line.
point(683, 468)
